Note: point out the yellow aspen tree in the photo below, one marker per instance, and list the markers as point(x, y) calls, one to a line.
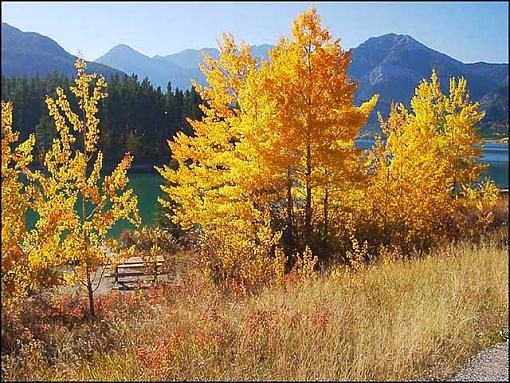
point(69, 195)
point(17, 278)
point(268, 163)
point(202, 189)
point(270, 132)
point(408, 189)
point(317, 120)
point(211, 188)
point(425, 173)
point(453, 119)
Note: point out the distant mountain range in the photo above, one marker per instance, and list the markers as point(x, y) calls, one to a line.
point(390, 65)
point(179, 68)
point(27, 53)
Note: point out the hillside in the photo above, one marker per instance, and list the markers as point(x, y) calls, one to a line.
point(495, 105)
point(392, 65)
point(27, 54)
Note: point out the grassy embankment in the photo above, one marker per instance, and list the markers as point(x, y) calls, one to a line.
point(400, 320)
point(397, 320)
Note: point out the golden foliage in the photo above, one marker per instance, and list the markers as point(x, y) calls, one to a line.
point(423, 175)
point(230, 255)
point(271, 170)
point(278, 138)
point(314, 123)
point(359, 255)
point(211, 189)
point(89, 207)
point(17, 276)
point(305, 264)
point(270, 133)
point(75, 209)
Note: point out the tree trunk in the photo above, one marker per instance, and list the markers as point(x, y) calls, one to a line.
point(326, 207)
point(308, 212)
point(290, 215)
point(90, 292)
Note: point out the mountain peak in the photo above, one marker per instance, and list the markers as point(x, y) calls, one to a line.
point(8, 26)
point(390, 39)
point(123, 49)
point(406, 39)
point(385, 36)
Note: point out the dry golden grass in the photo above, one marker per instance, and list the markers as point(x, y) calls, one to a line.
point(400, 321)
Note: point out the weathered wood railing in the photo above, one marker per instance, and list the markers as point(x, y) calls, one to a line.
point(140, 269)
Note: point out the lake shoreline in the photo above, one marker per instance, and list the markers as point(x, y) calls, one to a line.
point(503, 140)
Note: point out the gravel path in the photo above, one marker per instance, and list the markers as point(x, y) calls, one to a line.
point(490, 365)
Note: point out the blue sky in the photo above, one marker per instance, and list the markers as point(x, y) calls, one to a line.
point(469, 32)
